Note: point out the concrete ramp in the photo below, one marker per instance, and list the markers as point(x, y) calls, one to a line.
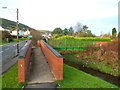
point(40, 71)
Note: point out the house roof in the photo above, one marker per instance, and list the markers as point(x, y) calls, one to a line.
point(19, 30)
point(1, 28)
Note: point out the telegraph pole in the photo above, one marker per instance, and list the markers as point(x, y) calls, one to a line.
point(17, 23)
point(17, 28)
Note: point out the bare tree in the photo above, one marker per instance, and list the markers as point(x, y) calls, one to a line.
point(36, 35)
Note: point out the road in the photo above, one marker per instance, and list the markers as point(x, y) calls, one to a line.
point(8, 53)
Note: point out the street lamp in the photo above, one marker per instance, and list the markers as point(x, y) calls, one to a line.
point(17, 23)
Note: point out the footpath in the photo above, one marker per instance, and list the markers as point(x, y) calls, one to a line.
point(40, 75)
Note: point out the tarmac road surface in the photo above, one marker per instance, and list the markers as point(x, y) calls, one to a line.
point(8, 52)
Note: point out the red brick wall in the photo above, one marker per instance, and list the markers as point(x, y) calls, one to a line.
point(23, 65)
point(55, 63)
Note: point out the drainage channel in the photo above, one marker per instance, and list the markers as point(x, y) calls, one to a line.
point(103, 76)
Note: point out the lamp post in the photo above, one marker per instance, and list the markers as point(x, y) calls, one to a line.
point(17, 28)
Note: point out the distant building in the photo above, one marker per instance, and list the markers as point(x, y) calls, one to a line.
point(1, 29)
point(46, 34)
point(15, 32)
point(105, 35)
point(27, 33)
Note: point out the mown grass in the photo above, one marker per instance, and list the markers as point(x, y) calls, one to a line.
point(91, 64)
point(74, 78)
point(69, 43)
point(10, 79)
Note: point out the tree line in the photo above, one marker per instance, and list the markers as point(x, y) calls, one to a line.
point(81, 31)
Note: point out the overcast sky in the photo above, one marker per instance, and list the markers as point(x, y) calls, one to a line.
point(99, 15)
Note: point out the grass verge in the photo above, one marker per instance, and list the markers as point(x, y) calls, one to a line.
point(0, 82)
point(10, 78)
point(20, 39)
point(14, 40)
point(91, 64)
point(74, 78)
point(2, 42)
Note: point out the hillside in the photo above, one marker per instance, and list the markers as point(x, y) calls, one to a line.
point(8, 24)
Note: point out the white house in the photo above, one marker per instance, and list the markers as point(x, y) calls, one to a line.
point(7, 30)
point(26, 33)
point(46, 34)
point(2, 29)
point(15, 32)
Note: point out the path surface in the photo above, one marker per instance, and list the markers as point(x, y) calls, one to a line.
point(40, 71)
point(48, 86)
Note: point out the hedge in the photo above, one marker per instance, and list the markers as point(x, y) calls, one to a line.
point(83, 38)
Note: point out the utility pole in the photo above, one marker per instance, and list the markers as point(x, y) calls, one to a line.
point(17, 28)
point(17, 23)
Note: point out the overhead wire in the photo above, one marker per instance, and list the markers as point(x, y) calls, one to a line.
point(21, 17)
point(12, 14)
point(3, 3)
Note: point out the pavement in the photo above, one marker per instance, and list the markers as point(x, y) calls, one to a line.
point(41, 86)
point(40, 75)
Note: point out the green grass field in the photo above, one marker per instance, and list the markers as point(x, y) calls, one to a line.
point(74, 78)
point(69, 43)
point(10, 78)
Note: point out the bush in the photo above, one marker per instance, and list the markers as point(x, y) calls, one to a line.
point(5, 34)
point(36, 35)
point(57, 35)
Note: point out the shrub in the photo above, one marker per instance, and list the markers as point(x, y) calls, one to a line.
point(5, 34)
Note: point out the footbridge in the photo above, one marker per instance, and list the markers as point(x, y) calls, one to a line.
point(39, 64)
